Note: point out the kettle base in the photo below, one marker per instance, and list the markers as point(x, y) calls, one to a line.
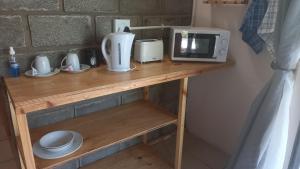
point(119, 70)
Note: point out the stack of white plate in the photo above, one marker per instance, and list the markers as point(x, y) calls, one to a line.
point(57, 144)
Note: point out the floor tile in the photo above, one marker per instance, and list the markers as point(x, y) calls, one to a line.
point(3, 132)
point(7, 148)
point(197, 154)
point(11, 164)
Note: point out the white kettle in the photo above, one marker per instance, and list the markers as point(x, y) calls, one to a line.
point(118, 57)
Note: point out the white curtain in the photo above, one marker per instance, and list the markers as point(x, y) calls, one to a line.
point(295, 160)
point(263, 144)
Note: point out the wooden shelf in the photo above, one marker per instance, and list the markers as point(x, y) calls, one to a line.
point(138, 157)
point(226, 2)
point(102, 129)
point(32, 94)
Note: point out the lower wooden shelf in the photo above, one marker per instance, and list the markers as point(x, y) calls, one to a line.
point(103, 129)
point(138, 157)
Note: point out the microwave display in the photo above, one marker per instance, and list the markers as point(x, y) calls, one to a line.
point(194, 45)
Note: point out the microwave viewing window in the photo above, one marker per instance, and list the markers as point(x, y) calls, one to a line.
point(193, 45)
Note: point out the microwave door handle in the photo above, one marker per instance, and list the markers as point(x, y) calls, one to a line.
point(216, 46)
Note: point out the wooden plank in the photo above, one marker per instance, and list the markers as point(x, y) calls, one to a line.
point(226, 2)
point(106, 128)
point(29, 94)
point(26, 146)
point(13, 116)
point(181, 121)
point(138, 157)
point(16, 131)
point(146, 98)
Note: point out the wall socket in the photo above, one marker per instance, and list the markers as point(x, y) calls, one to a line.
point(120, 24)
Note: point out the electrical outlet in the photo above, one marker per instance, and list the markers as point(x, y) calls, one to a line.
point(120, 24)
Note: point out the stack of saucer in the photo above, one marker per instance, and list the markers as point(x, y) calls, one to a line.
point(57, 144)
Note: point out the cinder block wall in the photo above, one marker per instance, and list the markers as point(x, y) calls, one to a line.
point(53, 27)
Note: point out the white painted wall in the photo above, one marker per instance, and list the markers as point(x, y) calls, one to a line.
point(202, 14)
point(219, 101)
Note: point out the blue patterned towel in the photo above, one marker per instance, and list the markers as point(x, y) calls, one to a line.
point(252, 21)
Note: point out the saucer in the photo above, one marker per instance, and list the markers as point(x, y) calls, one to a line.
point(45, 154)
point(83, 68)
point(57, 140)
point(52, 73)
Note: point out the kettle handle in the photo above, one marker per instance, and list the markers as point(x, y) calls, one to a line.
point(104, 52)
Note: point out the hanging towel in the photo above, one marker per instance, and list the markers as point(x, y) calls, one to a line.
point(267, 28)
point(252, 21)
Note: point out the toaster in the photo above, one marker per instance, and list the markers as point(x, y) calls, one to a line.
point(148, 50)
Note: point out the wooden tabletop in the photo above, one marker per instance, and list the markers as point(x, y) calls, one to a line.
point(32, 94)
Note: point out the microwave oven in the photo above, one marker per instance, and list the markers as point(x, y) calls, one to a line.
point(199, 44)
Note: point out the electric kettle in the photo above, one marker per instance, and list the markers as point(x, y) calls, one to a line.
point(118, 54)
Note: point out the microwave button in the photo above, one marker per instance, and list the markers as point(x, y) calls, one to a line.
point(224, 41)
point(222, 52)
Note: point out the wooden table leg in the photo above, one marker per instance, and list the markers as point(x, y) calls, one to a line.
point(146, 97)
point(21, 130)
point(25, 141)
point(16, 129)
point(181, 121)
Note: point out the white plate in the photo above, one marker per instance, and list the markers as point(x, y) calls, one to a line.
point(83, 68)
point(57, 140)
point(44, 154)
point(52, 73)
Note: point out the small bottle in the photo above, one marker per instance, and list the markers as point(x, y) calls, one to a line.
point(14, 68)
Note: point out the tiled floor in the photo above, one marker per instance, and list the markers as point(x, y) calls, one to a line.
point(8, 154)
point(197, 154)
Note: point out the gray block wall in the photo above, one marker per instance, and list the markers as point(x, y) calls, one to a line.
point(54, 27)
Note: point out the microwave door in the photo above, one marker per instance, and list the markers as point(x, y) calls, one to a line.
point(194, 45)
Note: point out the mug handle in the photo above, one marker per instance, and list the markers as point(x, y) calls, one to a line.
point(34, 71)
point(62, 61)
point(32, 64)
point(104, 51)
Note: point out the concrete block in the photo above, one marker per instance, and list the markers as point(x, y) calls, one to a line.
point(170, 20)
point(131, 96)
point(50, 116)
point(29, 5)
point(164, 92)
point(154, 135)
point(98, 155)
point(178, 6)
point(152, 21)
point(140, 6)
point(91, 6)
point(69, 165)
point(104, 24)
point(130, 143)
point(185, 20)
point(12, 31)
point(168, 129)
point(58, 30)
point(97, 104)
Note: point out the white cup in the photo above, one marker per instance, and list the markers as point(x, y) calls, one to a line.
point(41, 64)
point(72, 60)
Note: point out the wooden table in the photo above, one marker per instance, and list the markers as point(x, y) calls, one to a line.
point(27, 95)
